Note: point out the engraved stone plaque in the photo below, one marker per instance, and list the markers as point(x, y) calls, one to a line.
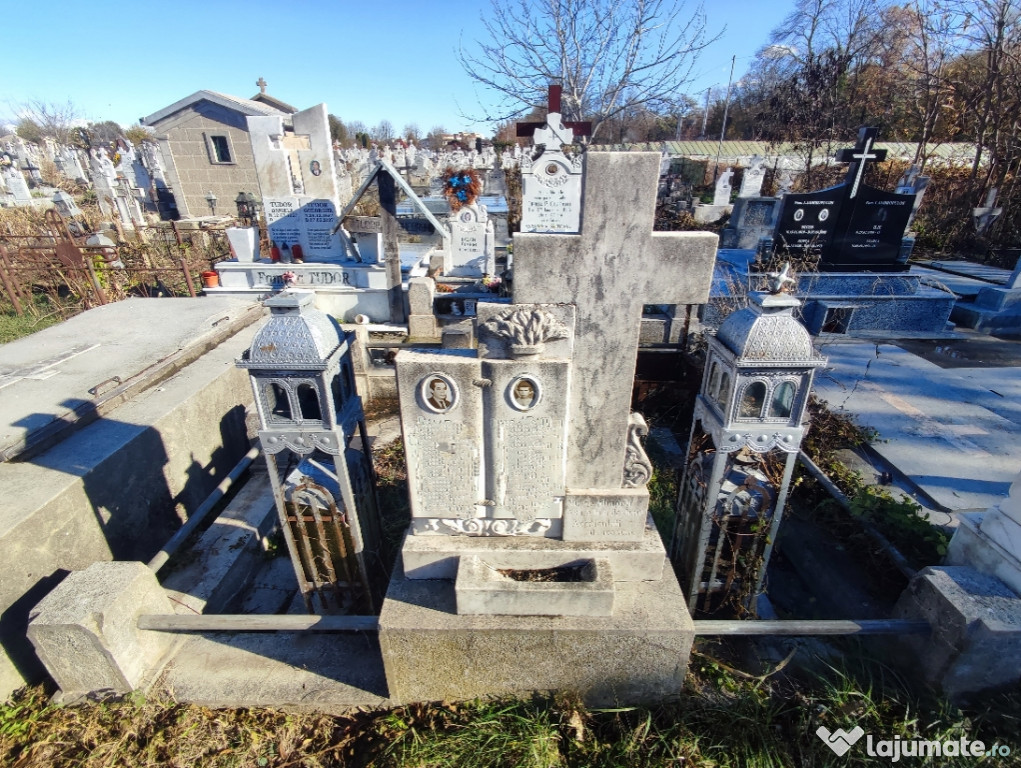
point(526, 448)
point(441, 411)
point(606, 515)
point(551, 195)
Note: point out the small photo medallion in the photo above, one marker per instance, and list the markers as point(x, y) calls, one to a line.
point(523, 393)
point(437, 393)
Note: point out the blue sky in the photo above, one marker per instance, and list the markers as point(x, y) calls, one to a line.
point(393, 60)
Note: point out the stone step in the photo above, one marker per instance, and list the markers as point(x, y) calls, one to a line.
point(220, 565)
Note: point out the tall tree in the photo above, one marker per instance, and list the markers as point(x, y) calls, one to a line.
point(338, 131)
point(412, 132)
point(610, 56)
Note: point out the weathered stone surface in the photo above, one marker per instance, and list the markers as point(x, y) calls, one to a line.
point(975, 644)
point(606, 515)
point(293, 671)
point(443, 434)
point(435, 557)
point(972, 545)
point(85, 630)
point(481, 589)
point(222, 560)
point(614, 267)
point(117, 488)
point(637, 655)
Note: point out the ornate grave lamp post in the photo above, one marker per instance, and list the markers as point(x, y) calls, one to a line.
point(211, 199)
point(247, 208)
point(745, 437)
point(302, 375)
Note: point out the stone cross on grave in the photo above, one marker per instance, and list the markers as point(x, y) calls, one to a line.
point(859, 157)
point(583, 128)
point(614, 266)
point(261, 82)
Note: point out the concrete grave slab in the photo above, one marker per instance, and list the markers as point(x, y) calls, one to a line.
point(637, 655)
point(117, 488)
point(304, 671)
point(47, 377)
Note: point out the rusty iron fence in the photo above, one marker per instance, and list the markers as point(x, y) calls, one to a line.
point(162, 260)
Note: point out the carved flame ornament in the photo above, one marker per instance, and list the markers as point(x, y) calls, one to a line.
point(526, 329)
point(637, 467)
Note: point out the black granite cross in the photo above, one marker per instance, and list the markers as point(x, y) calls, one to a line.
point(859, 157)
point(583, 128)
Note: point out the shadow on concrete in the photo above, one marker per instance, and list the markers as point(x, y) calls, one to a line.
point(126, 478)
point(14, 623)
point(306, 669)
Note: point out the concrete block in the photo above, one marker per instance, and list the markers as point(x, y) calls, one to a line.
point(436, 557)
point(637, 655)
point(423, 327)
point(975, 644)
point(119, 487)
point(482, 589)
point(85, 630)
point(973, 547)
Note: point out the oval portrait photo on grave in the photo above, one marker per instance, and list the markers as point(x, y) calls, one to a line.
point(523, 393)
point(437, 393)
point(315, 167)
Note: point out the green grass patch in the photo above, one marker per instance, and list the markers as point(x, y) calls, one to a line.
point(42, 313)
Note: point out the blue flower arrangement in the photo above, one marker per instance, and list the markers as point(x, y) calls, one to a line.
point(461, 187)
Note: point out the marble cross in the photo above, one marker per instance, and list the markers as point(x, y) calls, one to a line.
point(614, 266)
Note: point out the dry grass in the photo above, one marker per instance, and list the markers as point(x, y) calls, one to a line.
point(725, 717)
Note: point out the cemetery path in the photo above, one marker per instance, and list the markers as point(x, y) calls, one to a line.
point(952, 432)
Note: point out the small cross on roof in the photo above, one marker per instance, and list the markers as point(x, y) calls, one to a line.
point(261, 82)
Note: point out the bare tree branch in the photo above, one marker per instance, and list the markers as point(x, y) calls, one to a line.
point(608, 55)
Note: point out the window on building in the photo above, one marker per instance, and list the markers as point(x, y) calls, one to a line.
point(221, 149)
point(279, 404)
point(724, 395)
point(308, 401)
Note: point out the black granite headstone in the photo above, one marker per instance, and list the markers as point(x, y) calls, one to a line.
point(852, 227)
point(808, 221)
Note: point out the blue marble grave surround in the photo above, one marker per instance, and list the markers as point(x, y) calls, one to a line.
point(872, 303)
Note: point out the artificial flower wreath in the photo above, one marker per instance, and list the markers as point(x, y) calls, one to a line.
point(461, 187)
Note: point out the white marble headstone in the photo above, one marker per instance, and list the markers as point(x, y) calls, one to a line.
point(722, 195)
point(751, 182)
point(472, 251)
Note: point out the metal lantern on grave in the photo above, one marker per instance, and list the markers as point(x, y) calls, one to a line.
point(247, 210)
point(747, 429)
point(302, 376)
